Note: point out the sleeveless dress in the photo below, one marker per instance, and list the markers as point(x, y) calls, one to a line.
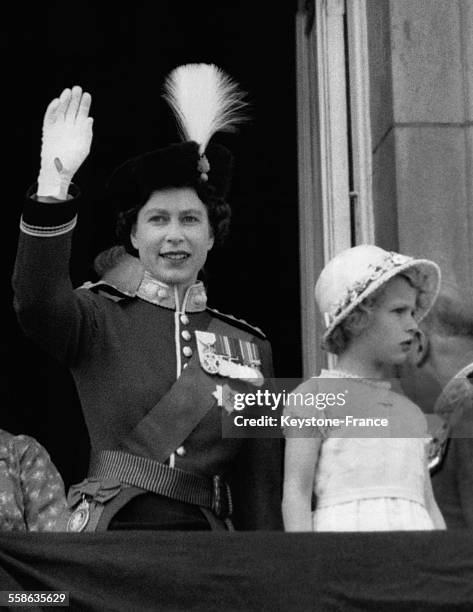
point(370, 474)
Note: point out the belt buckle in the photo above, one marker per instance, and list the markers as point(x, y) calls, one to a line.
point(221, 498)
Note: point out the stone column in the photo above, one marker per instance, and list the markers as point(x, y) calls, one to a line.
point(421, 55)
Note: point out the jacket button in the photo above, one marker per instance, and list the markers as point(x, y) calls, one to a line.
point(181, 451)
point(184, 319)
point(186, 335)
point(187, 351)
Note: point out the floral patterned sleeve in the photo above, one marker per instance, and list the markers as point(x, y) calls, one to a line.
point(42, 487)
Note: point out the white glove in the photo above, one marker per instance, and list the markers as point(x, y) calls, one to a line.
point(67, 136)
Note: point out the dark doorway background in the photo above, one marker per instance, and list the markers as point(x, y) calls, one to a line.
point(121, 55)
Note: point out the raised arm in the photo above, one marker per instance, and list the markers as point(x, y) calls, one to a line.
point(67, 136)
point(48, 309)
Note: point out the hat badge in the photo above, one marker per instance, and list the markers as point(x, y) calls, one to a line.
point(203, 167)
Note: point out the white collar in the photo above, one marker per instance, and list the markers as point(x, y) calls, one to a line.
point(161, 294)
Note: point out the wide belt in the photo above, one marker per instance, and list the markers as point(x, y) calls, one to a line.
point(212, 493)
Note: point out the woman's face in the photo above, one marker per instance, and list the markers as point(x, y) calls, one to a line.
point(172, 235)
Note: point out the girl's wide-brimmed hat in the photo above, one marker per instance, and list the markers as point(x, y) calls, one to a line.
point(356, 273)
point(204, 100)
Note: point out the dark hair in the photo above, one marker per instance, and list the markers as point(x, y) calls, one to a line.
point(108, 259)
point(353, 325)
point(450, 316)
point(218, 211)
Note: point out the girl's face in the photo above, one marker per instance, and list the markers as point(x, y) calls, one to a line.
point(388, 338)
point(172, 235)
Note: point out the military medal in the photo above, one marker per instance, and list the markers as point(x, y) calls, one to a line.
point(80, 517)
point(229, 369)
point(208, 358)
point(229, 357)
point(210, 362)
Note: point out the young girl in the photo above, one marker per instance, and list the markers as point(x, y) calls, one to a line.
point(368, 470)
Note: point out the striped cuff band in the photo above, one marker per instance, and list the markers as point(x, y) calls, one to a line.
point(47, 232)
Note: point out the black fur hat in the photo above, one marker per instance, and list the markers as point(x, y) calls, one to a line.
point(204, 100)
point(177, 165)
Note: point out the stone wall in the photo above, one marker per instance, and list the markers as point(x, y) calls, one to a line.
point(421, 54)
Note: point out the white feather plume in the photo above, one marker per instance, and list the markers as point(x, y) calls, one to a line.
point(205, 100)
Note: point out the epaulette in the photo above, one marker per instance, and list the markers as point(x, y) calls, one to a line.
point(240, 323)
point(106, 290)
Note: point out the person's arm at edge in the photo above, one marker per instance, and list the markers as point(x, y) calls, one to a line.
point(300, 463)
point(430, 502)
point(42, 487)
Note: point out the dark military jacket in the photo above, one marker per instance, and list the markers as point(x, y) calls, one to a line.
point(128, 347)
